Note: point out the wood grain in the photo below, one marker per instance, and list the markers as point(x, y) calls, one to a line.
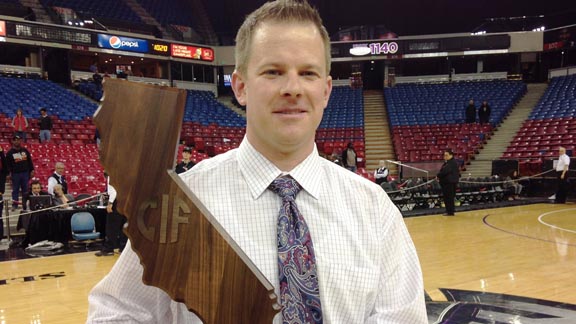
point(183, 250)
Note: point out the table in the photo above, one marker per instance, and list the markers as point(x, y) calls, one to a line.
point(54, 225)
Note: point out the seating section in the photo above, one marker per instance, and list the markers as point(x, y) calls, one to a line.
point(108, 9)
point(90, 89)
point(426, 119)
point(209, 126)
point(343, 122)
point(551, 124)
point(83, 170)
point(212, 128)
point(33, 94)
point(168, 12)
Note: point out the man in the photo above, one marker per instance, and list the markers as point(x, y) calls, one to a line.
point(36, 190)
point(45, 123)
point(484, 113)
point(3, 174)
point(366, 266)
point(186, 164)
point(471, 112)
point(115, 237)
point(562, 176)
point(448, 177)
point(349, 157)
point(20, 166)
point(57, 178)
point(381, 174)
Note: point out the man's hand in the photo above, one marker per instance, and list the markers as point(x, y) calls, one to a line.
point(109, 208)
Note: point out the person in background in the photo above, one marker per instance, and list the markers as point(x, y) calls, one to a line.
point(20, 124)
point(45, 125)
point(448, 177)
point(511, 182)
point(62, 199)
point(381, 174)
point(471, 112)
point(484, 113)
point(349, 157)
point(57, 178)
point(115, 237)
point(356, 258)
point(186, 164)
point(97, 137)
point(21, 168)
point(562, 176)
point(3, 174)
point(35, 190)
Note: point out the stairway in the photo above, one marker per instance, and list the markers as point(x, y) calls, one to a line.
point(378, 142)
point(481, 166)
point(38, 9)
point(146, 17)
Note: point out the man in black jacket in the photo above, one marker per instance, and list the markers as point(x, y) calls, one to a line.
point(484, 113)
point(448, 177)
point(471, 112)
point(45, 123)
point(20, 166)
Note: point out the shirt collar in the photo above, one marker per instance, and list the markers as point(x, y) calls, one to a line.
point(259, 172)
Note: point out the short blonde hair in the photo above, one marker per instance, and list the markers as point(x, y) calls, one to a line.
point(277, 11)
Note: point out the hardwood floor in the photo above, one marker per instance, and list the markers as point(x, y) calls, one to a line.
point(527, 251)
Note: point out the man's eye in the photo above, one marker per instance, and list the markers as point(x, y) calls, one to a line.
point(272, 72)
point(309, 73)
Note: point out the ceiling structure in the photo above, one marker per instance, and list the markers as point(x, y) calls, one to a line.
point(414, 17)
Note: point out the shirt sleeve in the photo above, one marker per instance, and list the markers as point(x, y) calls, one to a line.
point(122, 297)
point(401, 296)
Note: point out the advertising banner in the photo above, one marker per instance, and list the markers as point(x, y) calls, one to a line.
point(192, 52)
point(122, 43)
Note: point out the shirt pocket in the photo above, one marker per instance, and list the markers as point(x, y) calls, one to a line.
point(350, 293)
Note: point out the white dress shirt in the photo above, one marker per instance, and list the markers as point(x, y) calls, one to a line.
point(111, 191)
point(563, 162)
point(367, 265)
point(52, 182)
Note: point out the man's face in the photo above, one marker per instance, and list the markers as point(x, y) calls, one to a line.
point(59, 169)
point(16, 142)
point(186, 155)
point(36, 188)
point(562, 151)
point(285, 87)
point(447, 156)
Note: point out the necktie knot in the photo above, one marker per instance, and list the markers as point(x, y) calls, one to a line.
point(285, 187)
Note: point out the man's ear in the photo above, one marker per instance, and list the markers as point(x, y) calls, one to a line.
point(239, 87)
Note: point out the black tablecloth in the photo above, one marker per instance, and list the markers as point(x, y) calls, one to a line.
point(54, 225)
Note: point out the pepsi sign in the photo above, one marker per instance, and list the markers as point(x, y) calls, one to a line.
point(122, 43)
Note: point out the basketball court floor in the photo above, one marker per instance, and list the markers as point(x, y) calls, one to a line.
point(502, 265)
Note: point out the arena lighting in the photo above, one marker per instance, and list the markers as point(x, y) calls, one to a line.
point(539, 29)
point(482, 32)
point(359, 51)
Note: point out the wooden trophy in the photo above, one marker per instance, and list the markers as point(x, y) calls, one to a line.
point(182, 247)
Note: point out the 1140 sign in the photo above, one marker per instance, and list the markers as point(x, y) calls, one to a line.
point(383, 48)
